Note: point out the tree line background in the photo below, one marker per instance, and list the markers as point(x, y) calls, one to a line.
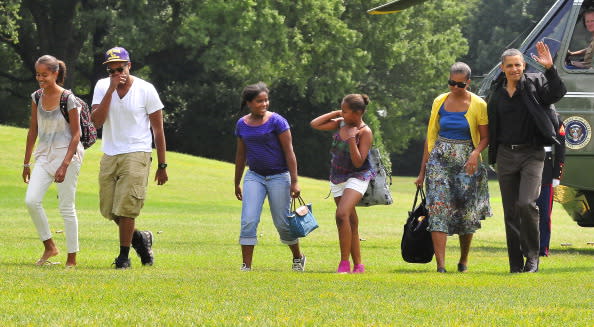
point(199, 54)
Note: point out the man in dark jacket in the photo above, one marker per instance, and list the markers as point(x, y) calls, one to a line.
point(521, 123)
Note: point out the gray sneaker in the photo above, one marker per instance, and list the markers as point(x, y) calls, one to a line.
point(144, 248)
point(299, 263)
point(121, 264)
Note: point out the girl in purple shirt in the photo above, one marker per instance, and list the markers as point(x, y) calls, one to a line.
point(264, 141)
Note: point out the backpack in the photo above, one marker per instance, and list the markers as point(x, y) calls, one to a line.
point(88, 132)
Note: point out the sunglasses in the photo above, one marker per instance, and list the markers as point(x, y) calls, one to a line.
point(458, 84)
point(119, 70)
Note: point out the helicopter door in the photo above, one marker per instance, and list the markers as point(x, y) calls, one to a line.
point(576, 108)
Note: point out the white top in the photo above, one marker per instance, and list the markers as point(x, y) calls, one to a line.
point(54, 135)
point(127, 126)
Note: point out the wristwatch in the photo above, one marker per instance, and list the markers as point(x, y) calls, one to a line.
point(162, 166)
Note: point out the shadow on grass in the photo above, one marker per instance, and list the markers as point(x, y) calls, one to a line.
point(567, 269)
point(500, 272)
point(104, 265)
point(589, 252)
point(424, 269)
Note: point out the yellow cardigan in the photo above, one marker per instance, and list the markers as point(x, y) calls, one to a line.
point(476, 115)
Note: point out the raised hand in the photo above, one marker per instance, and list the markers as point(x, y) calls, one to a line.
point(544, 55)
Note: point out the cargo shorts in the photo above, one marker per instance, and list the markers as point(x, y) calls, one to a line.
point(123, 180)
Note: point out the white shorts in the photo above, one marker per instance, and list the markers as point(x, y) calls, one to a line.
point(352, 183)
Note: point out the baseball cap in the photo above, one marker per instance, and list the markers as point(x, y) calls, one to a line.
point(116, 54)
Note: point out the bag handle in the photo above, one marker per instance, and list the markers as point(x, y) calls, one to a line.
point(293, 202)
point(419, 191)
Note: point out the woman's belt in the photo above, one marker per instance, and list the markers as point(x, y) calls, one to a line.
point(447, 140)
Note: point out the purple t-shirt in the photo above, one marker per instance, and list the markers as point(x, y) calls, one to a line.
point(265, 155)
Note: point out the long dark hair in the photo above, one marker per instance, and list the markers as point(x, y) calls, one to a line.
point(250, 92)
point(54, 65)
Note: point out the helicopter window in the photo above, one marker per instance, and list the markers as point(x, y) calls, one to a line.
point(579, 54)
point(551, 35)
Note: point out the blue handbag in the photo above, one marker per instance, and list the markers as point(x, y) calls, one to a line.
point(301, 219)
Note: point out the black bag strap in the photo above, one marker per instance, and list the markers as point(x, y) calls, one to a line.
point(38, 95)
point(422, 193)
point(64, 104)
point(294, 204)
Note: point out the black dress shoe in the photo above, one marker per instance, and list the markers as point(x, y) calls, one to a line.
point(531, 265)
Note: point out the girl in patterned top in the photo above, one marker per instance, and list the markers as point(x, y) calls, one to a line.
point(58, 157)
point(350, 172)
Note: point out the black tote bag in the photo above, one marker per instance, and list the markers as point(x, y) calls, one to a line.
point(416, 245)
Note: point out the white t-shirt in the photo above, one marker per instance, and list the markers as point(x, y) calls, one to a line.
point(54, 135)
point(127, 127)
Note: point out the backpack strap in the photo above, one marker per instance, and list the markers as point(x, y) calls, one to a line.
point(63, 101)
point(38, 94)
point(64, 104)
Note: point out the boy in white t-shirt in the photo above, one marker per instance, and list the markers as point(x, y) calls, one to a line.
point(127, 107)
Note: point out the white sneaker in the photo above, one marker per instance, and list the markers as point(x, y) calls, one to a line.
point(299, 263)
point(244, 267)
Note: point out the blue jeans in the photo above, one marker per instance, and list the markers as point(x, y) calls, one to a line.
point(255, 189)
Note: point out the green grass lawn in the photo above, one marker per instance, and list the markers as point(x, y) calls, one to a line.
point(196, 278)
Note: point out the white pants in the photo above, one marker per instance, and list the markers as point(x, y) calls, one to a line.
point(38, 184)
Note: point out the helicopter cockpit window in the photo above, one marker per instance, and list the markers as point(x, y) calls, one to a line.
point(551, 30)
point(579, 54)
point(551, 35)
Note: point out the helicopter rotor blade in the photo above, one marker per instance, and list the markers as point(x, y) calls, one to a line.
point(394, 6)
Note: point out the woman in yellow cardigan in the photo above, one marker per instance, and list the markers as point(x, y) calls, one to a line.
point(455, 178)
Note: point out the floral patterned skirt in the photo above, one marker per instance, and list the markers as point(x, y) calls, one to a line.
point(456, 201)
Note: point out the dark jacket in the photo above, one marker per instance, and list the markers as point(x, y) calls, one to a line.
point(539, 92)
point(554, 161)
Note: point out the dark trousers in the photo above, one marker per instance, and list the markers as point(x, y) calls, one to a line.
point(519, 173)
point(545, 206)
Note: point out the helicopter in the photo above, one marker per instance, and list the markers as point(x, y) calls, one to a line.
point(562, 28)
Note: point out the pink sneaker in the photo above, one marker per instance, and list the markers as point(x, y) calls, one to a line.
point(344, 267)
point(358, 269)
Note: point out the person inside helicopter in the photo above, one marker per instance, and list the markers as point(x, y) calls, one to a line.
point(584, 60)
